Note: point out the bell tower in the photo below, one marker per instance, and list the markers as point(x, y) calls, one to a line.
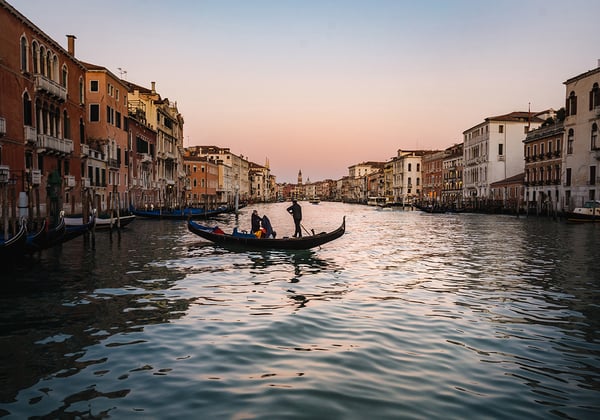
point(300, 177)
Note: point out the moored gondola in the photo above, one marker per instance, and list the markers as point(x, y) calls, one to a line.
point(248, 240)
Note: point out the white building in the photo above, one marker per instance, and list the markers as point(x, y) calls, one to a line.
point(582, 146)
point(406, 170)
point(493, 150)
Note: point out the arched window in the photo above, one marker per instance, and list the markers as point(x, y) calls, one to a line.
point(594, 138)
point(81, 90)
point(35, 55)
point(595, 97)
point(570, 140)
point(55, 73)
point(64, 75)
point(42, 60)
point(27, 110)
point(24, 54)
point(571, 105)
point(66, 125)
point(81, 131)
point(48, 65)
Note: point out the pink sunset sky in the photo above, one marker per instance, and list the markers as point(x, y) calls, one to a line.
point(319, 85)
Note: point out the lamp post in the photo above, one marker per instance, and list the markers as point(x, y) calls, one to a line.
point(4, 174)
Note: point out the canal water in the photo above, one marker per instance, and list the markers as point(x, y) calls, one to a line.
point(408, 315)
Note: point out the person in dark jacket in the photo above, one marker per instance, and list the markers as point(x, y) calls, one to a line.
point(255, 221)
point(296, 211)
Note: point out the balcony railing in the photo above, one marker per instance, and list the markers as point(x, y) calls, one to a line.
point(85, 182)
point(85, 150)
point(113, 163)
point(30, 134)
point(69, 181)
point(42, 83)
point(145, 158)
point(46, 143)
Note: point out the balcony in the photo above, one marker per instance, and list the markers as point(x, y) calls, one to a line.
point(30, 135)
point(2, 126)
point(145, 158)
point(69, 181)
point(42, 83)
point(85, 150)
point(53, 145)
point(113, 163)
point(85, 182)
point(36, 177)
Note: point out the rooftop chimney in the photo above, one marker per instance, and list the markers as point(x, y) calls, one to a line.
point(71, 44)
point(153, 87)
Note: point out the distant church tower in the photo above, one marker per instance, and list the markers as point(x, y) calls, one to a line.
point(300, 177)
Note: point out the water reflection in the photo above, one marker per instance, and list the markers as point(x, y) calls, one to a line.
point(69, 298)
point(438, 316)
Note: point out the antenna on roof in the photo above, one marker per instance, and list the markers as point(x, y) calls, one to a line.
point(122, 72)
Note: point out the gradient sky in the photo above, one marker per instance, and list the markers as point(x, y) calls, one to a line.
point(320, 85)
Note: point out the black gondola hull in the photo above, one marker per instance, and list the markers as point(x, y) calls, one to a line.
point(246, 241)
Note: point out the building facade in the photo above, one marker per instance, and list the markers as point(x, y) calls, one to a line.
point(543, 169)
point(582, 149)
point(493, 151)
point(452, 175)
point(106, 164)
point(42, 121)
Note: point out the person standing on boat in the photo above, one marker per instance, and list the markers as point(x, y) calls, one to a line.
point(296, 211)
point(255, 221)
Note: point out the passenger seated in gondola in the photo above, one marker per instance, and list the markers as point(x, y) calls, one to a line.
point(255, 222)
point(269, 232)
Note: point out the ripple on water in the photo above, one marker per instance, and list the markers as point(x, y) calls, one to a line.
point(406, 316)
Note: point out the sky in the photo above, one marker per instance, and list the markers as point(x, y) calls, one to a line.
point(320, 85)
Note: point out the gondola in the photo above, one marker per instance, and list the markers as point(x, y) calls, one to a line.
point(102, 223)
point(74, 230)
point(248, 240)
point(180, 214)
point(15, 245)
point(46, 237)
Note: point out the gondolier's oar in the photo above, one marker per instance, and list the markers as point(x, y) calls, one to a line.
point(306, 230)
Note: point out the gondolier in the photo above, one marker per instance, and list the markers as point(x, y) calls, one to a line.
point(296, 211)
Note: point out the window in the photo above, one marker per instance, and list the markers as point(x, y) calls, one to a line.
point(80, 90)
point(570, 140)
point(558, 145)
point(592, 175)
point(501, 128)
point(35, 54)
point(541, 149)
point(568, 178)
point(418, 168)
point(66, 125)
point(118, 120)
point(571, 105)
point(24, 50)
point(94, 112)
point(501, 149)
point(594, 97)
point(550, 146)
point(594, 138)
point(63, 80)
point(409, 169)
point(94, 86)
point(110, 115)
point(27, 110)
